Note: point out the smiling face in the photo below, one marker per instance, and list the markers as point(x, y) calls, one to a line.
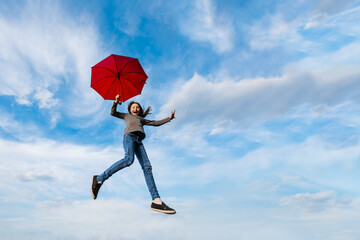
point(135, 109)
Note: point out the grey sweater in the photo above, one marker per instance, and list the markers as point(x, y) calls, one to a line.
point(134, 124)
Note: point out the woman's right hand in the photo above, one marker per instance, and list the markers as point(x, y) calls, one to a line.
point(117, 98)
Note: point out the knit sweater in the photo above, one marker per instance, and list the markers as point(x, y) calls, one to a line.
point(135, 124)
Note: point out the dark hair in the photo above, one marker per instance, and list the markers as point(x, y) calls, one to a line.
point(141, 113)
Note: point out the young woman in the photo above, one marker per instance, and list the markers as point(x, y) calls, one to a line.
point(133, 136)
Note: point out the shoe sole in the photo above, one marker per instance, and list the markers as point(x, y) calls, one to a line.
point(91, 189)
point(163, 211)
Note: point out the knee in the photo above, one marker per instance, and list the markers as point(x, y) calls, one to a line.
point(147, 169)
point(129, 160)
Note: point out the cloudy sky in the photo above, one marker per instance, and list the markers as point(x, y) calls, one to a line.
point(265, 143)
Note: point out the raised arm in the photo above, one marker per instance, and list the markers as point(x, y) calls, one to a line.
point(113, 111)
point(160, 122)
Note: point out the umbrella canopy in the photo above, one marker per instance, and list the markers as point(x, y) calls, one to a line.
point(118, 75)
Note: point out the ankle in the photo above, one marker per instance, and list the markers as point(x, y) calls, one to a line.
point(157, 201)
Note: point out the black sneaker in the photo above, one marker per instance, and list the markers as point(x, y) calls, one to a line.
point(162, 208)
point(95, 187)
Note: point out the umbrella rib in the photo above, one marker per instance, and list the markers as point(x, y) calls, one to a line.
point(131, 82)
point(110, 86)
point(122, 88)
point(110, 70)
point(132, 72)
point(134, 59)
point(115, 63)
point(95, 82)
point(106, 76)
point(116, 77)
point(126, 64)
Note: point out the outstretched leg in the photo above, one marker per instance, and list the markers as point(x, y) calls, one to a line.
point(147, 169)
point(157, 204)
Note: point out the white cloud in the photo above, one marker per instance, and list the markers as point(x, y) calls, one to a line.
point(33, 177)
point(128, 22)
point(280, 30)
point(275, 31)
point(314, 201)
point(326, 10)
point(46, 169)
point(44, 50)
point(54, 118)
point(22, 131)
point(314, 21)
point(331, 6)
point(54, 179)
point(45, 99)
point(221, 127)
point(329, 80)
point(204, 24)
point(342, 20)
point(272, 161)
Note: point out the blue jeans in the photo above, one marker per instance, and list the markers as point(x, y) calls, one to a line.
point(133, 145)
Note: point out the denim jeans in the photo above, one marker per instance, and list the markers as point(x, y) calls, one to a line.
point(133, 146)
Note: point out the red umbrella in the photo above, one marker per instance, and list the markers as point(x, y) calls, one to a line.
point(118, 75)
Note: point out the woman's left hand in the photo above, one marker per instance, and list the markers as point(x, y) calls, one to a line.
point(172, 115)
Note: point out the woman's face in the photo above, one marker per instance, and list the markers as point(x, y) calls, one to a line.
point(135, 109)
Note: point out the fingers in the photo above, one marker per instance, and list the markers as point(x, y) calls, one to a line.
point(172, 115)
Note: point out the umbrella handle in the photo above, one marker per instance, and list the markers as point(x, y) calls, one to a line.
point(117, 98)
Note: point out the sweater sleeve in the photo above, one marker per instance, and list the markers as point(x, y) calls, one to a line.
point(115, 113)
point(156, 123)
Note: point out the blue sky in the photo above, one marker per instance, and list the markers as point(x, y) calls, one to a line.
point(265, 144)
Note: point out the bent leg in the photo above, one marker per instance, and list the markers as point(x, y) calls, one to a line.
point(129, 147)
